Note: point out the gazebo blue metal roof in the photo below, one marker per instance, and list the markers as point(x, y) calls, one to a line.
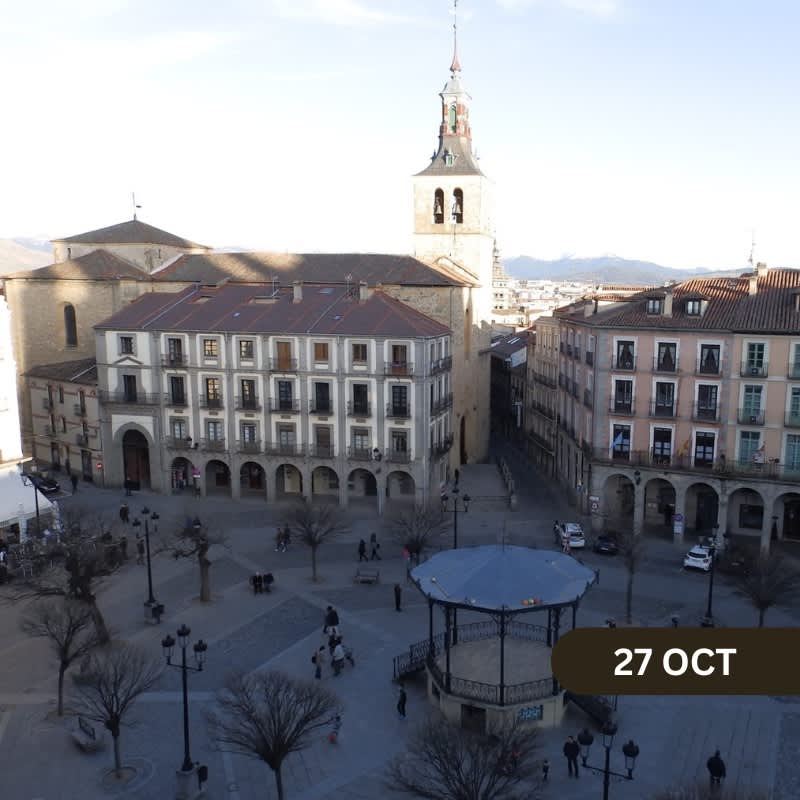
point(503, 577)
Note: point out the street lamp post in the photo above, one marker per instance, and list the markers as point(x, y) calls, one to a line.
point(29, 479)
point(151, 600)
point(630, 750)
point(200, 647)
point(465, 498)
point(708, 620)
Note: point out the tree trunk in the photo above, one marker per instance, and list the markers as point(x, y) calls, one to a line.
point(103, 636)
point(761, 612)
point(629, 599)
point(279, 783)
point(117, 757)
point(61, 670)
point(314, 564)
point(205, 580)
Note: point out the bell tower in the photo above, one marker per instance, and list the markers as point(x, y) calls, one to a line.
point(453, 199)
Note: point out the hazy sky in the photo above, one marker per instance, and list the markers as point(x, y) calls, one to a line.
point(656, 129)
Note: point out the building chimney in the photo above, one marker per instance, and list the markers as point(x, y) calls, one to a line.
point(362, 292)
point(297, 291)
point(588, 308)
point(668, 301)
point(752, 285)
point(761, 269)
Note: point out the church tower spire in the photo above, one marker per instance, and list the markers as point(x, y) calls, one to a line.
point(455, 64)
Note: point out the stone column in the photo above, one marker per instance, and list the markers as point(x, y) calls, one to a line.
point(638, 508)
point(680, 509)
point(271, 482)
point(722, 516)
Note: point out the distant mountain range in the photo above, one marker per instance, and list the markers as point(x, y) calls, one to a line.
point(605, 269)
point(21, 254)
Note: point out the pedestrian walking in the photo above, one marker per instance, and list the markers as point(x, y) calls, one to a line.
point(716, 769)
point(545, 770)
point(398, 595)
point(338, 657)
point(73, 479)
point(124, 513)
point(331, 626)
point(279, 540)
point(336, 726)
point(318, 660)
point(140, 552)
point(128, 483)
point(333, 640)
point(287, 537)
point(375, 556)
point(258, 583)
point(362, 551)
point(401, 702)
point(571, 751)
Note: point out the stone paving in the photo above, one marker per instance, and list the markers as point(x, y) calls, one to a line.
point(281, 630)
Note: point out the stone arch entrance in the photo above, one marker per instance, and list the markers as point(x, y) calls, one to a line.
point(400, 485)
point(251, 479)
point(136, 459)
point(702, 508)
point(180, 473)
point(288, 480)
point(324, 482)
point(218, 478)
point(618, 500)
point(746, 512)
point(786, 516)
point(659, 507)
point(361, 483)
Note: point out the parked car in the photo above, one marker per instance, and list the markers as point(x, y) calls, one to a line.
point(571, 532)
point(606, 545)
point(47, 485)
point(699, 557)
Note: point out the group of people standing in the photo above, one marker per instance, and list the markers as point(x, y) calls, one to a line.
point(375, 549)
point(336, 650)
point(283, 538)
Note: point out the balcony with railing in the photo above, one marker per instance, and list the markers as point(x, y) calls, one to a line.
point(662, 410)
point(753, 370)
point(79, 410)
point(212, 402)
point(175, 400)
point(589, 357)
point(247, 403)
point(398, 456)
point(750, 416)
point(398, 368)
point(623, 363)
point(706, 367)
point(587, 398)
point(793, 373)
point(129, 398)
point(320, 406)
point(666, 365)
point(398, 410)
point(283, 365)
point(174, 360)
point(359, 453)
point(440, 448)
point(286, 405)
point(621, 407)
point(540, 377)
point(178, 442)
point(359, 409)
point(287, 449)
point(543, 442)
point(321, 451)
point(703, 412)
point(248, 446)
point(213, 445)
point(441, 365)
point(792, 419)
point(543, 410)
point(442, 405)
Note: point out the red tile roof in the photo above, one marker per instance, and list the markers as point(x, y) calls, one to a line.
point(99, 265)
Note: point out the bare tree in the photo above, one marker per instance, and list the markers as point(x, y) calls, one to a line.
point(66, 624)
point(417, 528)
point(314, 525)
point(268, 715)
point(114, 680)
point(195, 540)
point(445, 762)
point(630, 549)
point(770, 582)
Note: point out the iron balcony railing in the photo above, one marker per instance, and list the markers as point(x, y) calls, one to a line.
point(668, 365)
point(793, 372)
point(247, 403)
point(543, 442)
point(623, 363)
point(440, 448)
point(399, 410)
point(703, 412)
point(359, 453)
point(213, 445)
point(248, 445)
point(176, 400)
point(320, 407)
point(398, 456)
point(589, 357)
point(398, 368)
point(442, 404)
point(660, 409)
point(751, 370)
point(174, 360)
point(79, 410)
point(792, 419)
point(542, 409)
point(750, 416)
point(540, 377)
point(358, 409)
point(283, 406)
point(129, 398)
point(178, 443)
point(322, 451)
point(211, 401)
point(441, 365)
point(621, 407)
point(284, 449)
point(283, 365)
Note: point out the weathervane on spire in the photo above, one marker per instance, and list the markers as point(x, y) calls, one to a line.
point(133, 198)
point(752, 247)
point(455, 65)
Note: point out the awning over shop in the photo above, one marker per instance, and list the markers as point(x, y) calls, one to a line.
point(17, 501)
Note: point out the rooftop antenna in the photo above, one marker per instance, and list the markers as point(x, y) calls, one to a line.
point(752, 247)
point(133, 200)
point(348, 280)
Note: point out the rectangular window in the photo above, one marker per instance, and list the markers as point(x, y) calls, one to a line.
point(215, 430)
point(82, 401)
point(399, 355)
point(360, 398)
point(179, 428)
point(621, 442)
point(61, 395)
point(320, 352)
point(709, 359)
point(654, 305)
point(400, 400)
point(794, 364)
point(63, 424)
point(792, 457)
point(248, 432)
point(284, 350)
point(662, 445)
point(755, 355)
point(400, 442)
point(248, 396)
point(322, 440)
point(704, 449)
point(129, 388)
point(210, 348)
point(794, 406)
point(694, 307)
point(175, 350)
point(246, 349)
point(359, 351)
point(707, 401)
point(623, 397)
point(360, 438)
point(625, 355)
point(667, 357)
point(126, 345)
point(285, 396)
point(286, 438)
point(749, 448)
point(213, 393)
point(665, 399)
point(177, 391)
point(322, 397)
point(751, 404)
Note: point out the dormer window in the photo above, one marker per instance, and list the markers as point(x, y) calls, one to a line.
point(694, 308)
point(655, 305)
point(449, 158)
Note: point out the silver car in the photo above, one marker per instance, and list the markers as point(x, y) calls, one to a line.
point(571, 532)
point(698, 557)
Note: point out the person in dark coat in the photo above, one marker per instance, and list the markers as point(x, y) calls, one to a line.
point(124, 514)
point(398, 596)
point(376, 556)
point(572, 751)
point(716, 769)
point(362, 551)
point(401, 702)
point(140, 552)
point(331, 622)
point(73, 479)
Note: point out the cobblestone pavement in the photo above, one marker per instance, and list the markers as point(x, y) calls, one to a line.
point(280, 630)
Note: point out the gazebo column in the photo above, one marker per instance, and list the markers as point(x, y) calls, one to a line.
point(431, 652)
point(447, 626)
point(556, 624)
point(455, 626)
point(549, 627)
point(574, 614)
point(502, 657)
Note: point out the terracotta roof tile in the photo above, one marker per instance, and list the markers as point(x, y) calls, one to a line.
point(97, 265)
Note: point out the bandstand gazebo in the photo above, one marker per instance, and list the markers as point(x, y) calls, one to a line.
point(484, 670)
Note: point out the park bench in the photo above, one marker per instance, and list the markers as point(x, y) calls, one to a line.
point(367, 575)
point(85, 737)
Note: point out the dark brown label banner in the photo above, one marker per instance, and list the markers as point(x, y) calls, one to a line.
point(678, 661)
